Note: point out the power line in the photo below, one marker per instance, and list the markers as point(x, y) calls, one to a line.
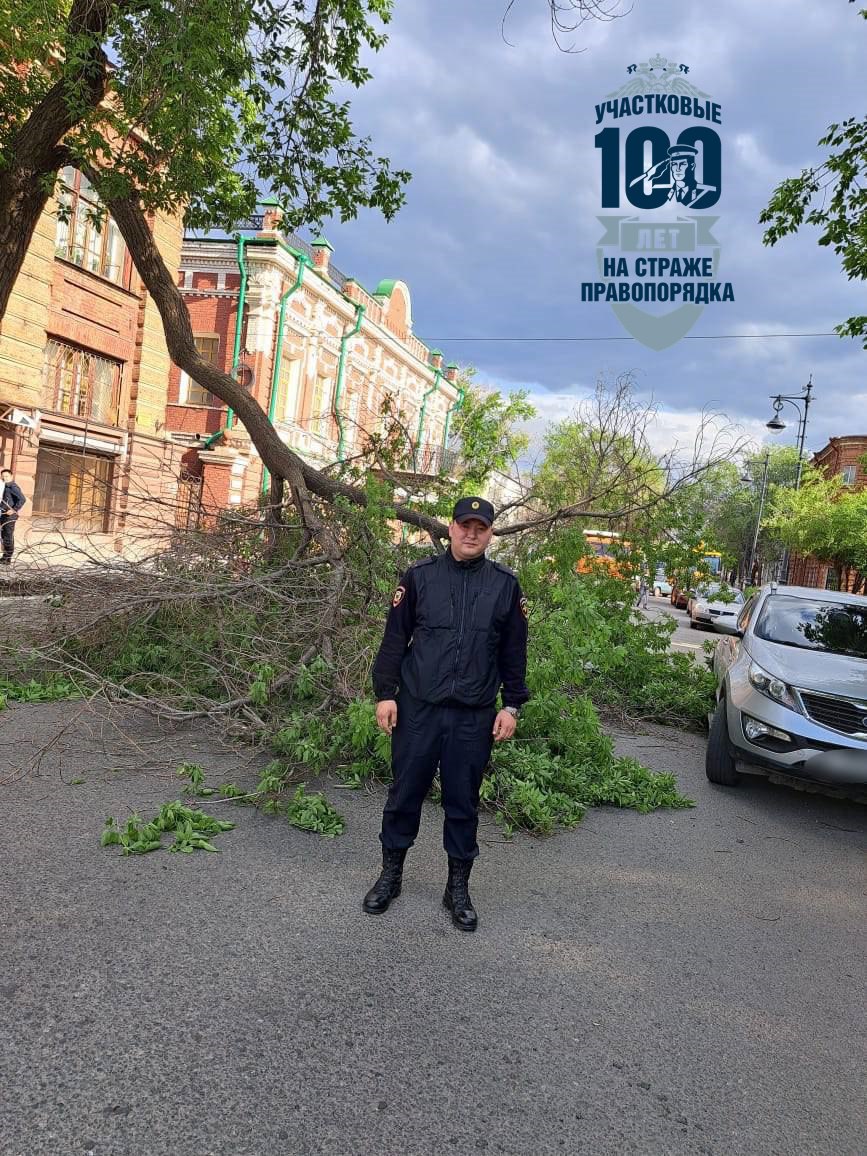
point(694, 337)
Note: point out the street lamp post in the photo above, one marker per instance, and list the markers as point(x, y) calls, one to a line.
point(776, 424)
point(763, 492)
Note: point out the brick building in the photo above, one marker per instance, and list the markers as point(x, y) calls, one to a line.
point(83, 377)
point(844, 458)
point(319, 353)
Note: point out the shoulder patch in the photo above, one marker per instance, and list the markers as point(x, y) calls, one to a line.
point(525, 607)
point(397, 597)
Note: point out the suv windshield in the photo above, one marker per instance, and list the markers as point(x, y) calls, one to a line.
point(839, 628)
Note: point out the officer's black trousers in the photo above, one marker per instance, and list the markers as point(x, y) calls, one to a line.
point(458, 740)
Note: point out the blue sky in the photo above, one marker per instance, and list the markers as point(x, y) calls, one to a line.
point(500, 223)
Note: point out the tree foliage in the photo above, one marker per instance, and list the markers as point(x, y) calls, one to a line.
point(486, 434)
point(208, 103)
point(832, 196)
point(827, 520)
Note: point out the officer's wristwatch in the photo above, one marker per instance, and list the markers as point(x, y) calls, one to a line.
point(514, 711)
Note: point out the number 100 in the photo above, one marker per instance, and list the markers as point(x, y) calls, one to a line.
point(647, 147)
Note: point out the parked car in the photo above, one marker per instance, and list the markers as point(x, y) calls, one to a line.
point(715, 606)
point(680, 596)
point(661, 585)
point(792, 689)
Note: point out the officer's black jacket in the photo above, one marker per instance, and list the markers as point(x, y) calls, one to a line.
point(455, 633)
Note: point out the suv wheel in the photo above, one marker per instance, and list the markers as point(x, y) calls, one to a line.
point(719, 763)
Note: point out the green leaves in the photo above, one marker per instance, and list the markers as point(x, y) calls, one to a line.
point(191, 826)
point(48, 688)
point(222, 100)
point(824, 519)
point(313, 812)
point(833, 198)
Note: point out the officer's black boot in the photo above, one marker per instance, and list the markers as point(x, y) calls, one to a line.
point(457, 895)
point(387, 886)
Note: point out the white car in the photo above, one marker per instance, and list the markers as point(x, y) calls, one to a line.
point(660, 585)
point(715, 607)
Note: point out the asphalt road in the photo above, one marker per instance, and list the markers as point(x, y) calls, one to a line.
point(685, 982)
point(684, 639)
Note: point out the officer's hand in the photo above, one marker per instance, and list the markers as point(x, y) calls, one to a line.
point(386, 715)
point(504, 726)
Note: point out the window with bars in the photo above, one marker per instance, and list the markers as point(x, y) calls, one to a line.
point(191, 393)
point(86, 234)
point(80, 383)
point(73, 488)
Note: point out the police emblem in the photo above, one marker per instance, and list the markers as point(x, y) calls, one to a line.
point(525, 607)
point(475, 505)
point(398, 596)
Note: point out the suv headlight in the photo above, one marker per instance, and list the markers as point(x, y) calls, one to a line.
point(772, 687)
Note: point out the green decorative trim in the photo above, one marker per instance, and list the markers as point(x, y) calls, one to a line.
point(436, 353)
point(453, 365)
point(322, 243)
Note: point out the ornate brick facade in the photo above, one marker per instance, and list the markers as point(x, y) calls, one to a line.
point(82, 354)
point(322, 411)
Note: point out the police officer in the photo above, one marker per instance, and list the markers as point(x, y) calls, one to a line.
point(456, 634)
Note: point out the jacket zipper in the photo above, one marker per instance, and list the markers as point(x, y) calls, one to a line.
point(460, 633)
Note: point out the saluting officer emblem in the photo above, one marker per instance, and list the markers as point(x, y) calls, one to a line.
point(525, 607)
point(398, 596)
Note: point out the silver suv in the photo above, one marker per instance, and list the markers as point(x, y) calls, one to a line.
point(792, 689)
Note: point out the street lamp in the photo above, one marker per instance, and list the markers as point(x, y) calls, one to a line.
point(776, 424)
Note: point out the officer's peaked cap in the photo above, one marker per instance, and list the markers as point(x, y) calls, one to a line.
point(466, 508)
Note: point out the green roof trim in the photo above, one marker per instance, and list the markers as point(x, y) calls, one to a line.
point(270, 203)
point(322, 243)
point(453, 365)
point(385, 288)
point(436, 353)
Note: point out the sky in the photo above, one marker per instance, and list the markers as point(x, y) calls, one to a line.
point(497, 126)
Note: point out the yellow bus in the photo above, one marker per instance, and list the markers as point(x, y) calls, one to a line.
point(607, 549)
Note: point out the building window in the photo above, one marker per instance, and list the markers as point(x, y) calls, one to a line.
point(849, 475)
point(191, 393)
point(73, 488)
point(320, 407)
point(81, 383)
point(353, 433)
point(287, 388)
point(86, 234)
